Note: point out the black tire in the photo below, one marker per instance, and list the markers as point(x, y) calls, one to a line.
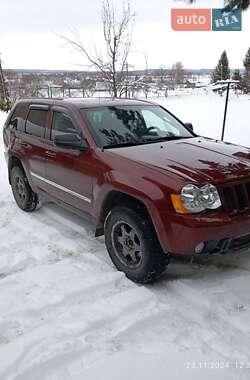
point(25, 198)
point(143, 261)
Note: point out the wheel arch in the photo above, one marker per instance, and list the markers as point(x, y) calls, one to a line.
point(118, 198)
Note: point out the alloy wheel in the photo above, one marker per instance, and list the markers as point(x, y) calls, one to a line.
point(127, 244)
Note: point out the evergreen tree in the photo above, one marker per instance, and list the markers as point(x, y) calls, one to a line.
point(246, 77)
point(222, 71)
point(246, 61)
point(240, 4)
point(5, 103)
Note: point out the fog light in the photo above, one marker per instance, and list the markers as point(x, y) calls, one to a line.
point(199, 248)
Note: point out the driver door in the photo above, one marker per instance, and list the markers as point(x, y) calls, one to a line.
point(68, 171)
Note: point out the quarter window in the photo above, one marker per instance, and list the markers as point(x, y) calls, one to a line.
point(36, 123)
point(62, 124)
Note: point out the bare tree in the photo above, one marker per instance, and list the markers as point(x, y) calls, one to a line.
point(177, 73)
point(145, 54)
point(117, 35)
point(162, 78)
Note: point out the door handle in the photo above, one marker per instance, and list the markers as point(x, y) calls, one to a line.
point(50, 153)
point(24, 144)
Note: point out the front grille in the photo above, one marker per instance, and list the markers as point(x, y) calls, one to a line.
point(236, 197)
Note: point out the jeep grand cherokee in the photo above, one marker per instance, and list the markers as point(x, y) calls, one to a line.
point(148, 182)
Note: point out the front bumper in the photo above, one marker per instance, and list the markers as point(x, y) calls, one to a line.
point(182, 234)
point(226, 246)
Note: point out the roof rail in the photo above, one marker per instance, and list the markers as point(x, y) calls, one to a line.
point(42, 98)
point(143, 100)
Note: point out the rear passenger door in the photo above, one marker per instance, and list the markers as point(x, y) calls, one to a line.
point(34, 144)
point(15, 128)
point(68, 171)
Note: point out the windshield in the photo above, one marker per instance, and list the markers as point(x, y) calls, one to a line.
point(132, 125)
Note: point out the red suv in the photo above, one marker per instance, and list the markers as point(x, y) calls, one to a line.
point(149, 183)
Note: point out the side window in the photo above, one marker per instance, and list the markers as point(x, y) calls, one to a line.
point(18, 117)
point(62, 124)
point(36, 123)
point(152, 120)
point(166, 124)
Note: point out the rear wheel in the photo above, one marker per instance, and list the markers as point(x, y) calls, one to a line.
point(133, 245)
point(25, 198)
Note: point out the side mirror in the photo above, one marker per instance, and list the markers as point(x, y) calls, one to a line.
point(71, 141)
point(189, 126)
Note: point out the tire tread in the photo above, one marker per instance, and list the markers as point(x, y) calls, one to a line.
point(158, 260)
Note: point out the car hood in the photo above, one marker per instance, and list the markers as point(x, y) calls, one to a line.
point(196, 159)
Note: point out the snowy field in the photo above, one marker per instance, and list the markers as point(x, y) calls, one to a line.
point(67, 314)
point(206, 112)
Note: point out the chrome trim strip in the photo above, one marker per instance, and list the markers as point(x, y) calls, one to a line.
point(61, 187)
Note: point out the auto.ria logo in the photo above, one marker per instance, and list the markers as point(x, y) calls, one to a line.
point(206, 19)
point(226, 20)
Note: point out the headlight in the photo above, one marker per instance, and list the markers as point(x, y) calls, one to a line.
point(210, 197)
point(194, 199)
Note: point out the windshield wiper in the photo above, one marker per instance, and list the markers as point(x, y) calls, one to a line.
point(168, 138)
point(144, 142)
point(110, 146)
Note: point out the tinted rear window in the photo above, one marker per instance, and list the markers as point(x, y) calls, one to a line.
point(18, 117)
point(36, 123)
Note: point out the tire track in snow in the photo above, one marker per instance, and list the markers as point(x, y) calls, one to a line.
point(50, 240)
point(92, 325)
point(203, 313)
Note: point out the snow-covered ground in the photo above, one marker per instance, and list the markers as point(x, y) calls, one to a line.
point(67, 314)
point(206, 112)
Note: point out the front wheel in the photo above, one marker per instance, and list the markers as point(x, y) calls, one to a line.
point(133, 245)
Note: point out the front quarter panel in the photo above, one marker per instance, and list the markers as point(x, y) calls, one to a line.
point(137, 187)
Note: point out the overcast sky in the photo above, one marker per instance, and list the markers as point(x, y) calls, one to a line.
point(28, 34)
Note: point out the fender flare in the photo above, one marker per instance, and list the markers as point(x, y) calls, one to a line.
point(133, 186)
